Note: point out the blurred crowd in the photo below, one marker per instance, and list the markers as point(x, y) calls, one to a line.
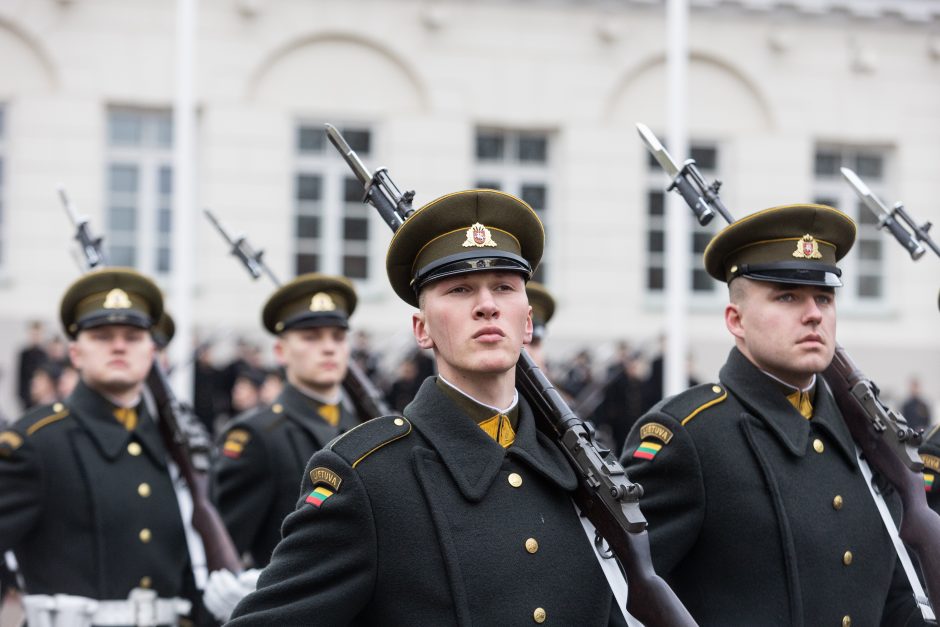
point(611, 393)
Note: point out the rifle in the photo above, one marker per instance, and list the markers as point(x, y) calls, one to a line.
point(605, 495)
point(892, 220)
point(365, 396)
point(183, 435)
point(882, 434)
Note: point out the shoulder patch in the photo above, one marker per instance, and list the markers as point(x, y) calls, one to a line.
point(931, 461)
point(235, 441)
point(46, 417)
point(363, 440)
point(9, 442)
point(689, 404)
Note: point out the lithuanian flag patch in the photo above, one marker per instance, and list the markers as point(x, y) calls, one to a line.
point(647, 450)
point(928, 481)
point(319, 494)
point(235, 443)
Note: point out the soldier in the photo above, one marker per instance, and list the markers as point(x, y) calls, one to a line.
point(758, 511)
point(543, 308)
point(263, 453)
point(87, 503)
point(459, 511)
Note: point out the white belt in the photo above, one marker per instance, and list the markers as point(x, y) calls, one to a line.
point(141, 609)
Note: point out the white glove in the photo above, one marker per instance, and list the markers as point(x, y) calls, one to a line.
point(224, 590)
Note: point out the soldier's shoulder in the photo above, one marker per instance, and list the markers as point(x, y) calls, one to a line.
point(364, 440)
point(31, 423)
point(930, 450)
point(694, 404)
point(40, 418)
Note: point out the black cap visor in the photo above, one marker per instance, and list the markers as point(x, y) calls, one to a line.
point(127, 318)
point(796, 272)
point(309, 320)
point(464, 263)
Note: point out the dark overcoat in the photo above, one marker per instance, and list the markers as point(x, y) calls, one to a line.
point(758, 516)
point(930, 453)
point(426, 520)
point(256, 476)
point(87, 507)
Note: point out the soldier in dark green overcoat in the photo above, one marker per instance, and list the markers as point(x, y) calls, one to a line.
point(758, 511)
point(263, 453)
point(459, 511)
point(87, 503)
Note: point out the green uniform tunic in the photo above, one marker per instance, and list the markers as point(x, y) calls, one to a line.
point(262, 457)
point(758, 516)
point(426, 520)
point(87, 507)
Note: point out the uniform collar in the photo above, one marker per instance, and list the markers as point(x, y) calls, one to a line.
point(764, 398)
point(95, 414)
point(303, 410)
point(472, 457)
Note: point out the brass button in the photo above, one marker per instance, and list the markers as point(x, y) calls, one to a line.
point(846, 621)
point(734, 269)
point(134, 449)
point(143, 490)
point(515, 480)
point(531, 545)
point(837, 502)
point(847, 558)
point(818, 445)
point(538, 615)
point(716, 389)
point(144, 535)
point(277, 408)
point(399, 422)
point(58, 407)
point(146, 582)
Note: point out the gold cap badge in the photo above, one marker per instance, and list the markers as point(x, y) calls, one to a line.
point(322, 301)
point(807, 248)
point(479, 236)
point(117, 299)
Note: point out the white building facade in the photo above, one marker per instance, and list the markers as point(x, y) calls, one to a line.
point(538, 98)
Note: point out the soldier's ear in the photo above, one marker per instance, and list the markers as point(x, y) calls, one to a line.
point(419, 326)
point(733, 320)
point(529, 326)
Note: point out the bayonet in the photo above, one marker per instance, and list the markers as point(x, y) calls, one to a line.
point(658, 151)
point(243, 250)
point(701, 197)
point(92, 250)
point(885, 217)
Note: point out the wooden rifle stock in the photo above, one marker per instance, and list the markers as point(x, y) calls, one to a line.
point(889, 445)
point(189, 445)
point(607, 497)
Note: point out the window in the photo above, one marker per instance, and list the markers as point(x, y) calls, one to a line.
point(863, 268)
point(139, 214)
point(517, 162)
point(2, 185)
point(331, 223)
point(706, 159)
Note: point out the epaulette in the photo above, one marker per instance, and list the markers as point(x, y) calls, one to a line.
point(363, 440)
point(9, 442)
point(689, 404)
point(42, 417)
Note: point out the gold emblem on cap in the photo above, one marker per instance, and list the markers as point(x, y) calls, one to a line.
point(807, 248)
point(117, 299)
point(479, 236)
point(322, 301)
